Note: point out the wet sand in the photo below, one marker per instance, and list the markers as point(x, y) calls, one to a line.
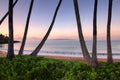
point(81, 59)
point(2, 54)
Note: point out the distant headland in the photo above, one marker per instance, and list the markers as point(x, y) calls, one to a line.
point(62, 39)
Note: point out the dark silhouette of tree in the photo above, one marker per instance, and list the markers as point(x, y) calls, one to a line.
point(7, 13)
point(26, 28)
point(81, 37)
point(3, 39)
point(10, 53)
point(94, 48)
point(109, 50)
point(35, 52)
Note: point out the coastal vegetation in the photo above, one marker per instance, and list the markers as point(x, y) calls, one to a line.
point(31, 67)
point(90, 60)
point(40, 68)
point(4, 39)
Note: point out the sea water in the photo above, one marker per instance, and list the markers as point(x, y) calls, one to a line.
point(66, 47)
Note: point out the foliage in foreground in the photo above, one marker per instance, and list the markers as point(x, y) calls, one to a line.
point(39, 68)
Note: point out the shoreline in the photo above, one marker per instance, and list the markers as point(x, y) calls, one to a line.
point(70, 58)
point(3, 54)
point(81, 59)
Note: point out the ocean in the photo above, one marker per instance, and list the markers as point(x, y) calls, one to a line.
point(68, 47)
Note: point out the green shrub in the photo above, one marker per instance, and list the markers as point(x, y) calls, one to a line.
point(40, 68)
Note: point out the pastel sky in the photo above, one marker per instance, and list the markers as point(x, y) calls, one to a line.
point(65, 24)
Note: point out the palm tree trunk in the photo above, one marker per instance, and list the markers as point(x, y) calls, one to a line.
point(81, 38)
point(35, 52)
point(109, 50)
point(26, 29)
point(7, 13)
point(10, 53)
point(94, 48)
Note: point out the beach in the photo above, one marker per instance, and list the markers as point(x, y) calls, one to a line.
point(81, 59)
point(66, 49)
point(3, 54)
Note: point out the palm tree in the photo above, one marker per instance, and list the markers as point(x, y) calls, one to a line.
point(10, 53)
point(35, 52)
point(7, 13)
point(94, 48)
point(81, 37)
point(26, 28)
point(109, 50)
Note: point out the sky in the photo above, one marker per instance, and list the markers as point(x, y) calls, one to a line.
point(65, 25)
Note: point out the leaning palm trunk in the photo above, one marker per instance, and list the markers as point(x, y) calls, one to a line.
point(109, 50)
point(26, 29)
point(10, 53)
point(35, 52)
point(94, 48)
point(7, 13)
point(81, 38)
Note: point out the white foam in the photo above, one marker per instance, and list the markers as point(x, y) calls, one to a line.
point(67, 54)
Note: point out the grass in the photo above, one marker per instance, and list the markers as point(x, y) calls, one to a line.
point(40, 68)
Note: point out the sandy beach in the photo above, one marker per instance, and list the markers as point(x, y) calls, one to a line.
point(2, 54)
point(81, 59)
